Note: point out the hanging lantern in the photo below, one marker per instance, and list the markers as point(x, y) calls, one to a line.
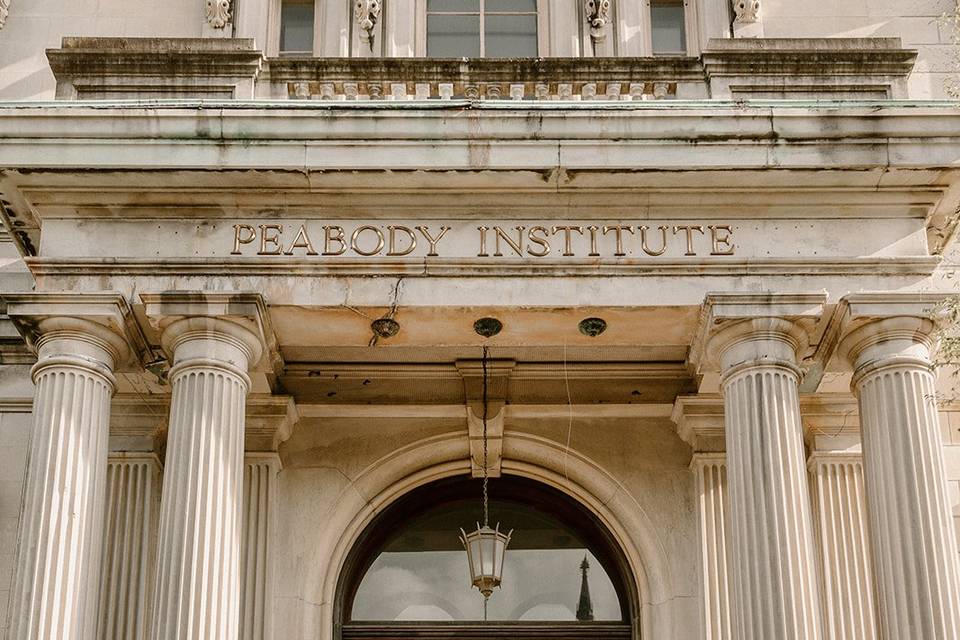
point(486, 548)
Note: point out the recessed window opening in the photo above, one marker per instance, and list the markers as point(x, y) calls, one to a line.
point(668, 27)
point(561, 568)
point(296, 27)
point(482, 28)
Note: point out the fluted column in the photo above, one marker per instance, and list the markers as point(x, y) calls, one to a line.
point(129, 546)
point(911, 525)
point(54, 594)
point(198, 569)
point(259, 529)
point(772, 560)
point(710, 470)
point(840, 522)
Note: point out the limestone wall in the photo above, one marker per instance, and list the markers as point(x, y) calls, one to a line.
point(34, 25)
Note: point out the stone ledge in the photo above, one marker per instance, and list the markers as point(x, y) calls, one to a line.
point(801, 67)
point(117, 68)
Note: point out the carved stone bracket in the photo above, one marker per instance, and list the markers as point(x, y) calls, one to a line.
point(746, 21)
point(598, 16)
point(218, 13)
point(4, 11)
point(367, 13)
point(746, 10)
point(498, 377)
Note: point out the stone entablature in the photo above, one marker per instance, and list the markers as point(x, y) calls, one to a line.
point(227, 68)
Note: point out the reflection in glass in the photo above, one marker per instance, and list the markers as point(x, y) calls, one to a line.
point(668, 30)
point(511, 36)
point(511, 6)
point(490, 28)
point(453, 5)
point(421, 571)
point(296, 26)
point(453, 36)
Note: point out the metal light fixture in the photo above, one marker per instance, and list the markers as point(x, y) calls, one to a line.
point(486, 547)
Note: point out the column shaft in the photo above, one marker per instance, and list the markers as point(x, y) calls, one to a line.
point(914, 545)
point(774, 575)
point(840, 517)
point(54, 593)
point(256, 569)
point(129, 547)
point(711, 478)
point(198, 572)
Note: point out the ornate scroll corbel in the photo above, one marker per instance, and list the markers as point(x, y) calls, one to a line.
point(4, 11)
point(367, 12)
point(598, 15)
point(218, 13)
point(746, 11)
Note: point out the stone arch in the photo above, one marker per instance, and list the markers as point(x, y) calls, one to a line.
point(529, 456)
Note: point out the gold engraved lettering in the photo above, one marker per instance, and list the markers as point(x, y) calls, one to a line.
point(238, 239)
point(594, 251)
point(393, 240)
point(431, 240)
point(273, 239)
point(618, 229)
point(301, 241)
point(333, 234)
point(516, 246)
point(567, 237)
point(356, 236)
point(720, 240)
point(663, 240)
point(483, 242)
point(540, 240)
point(689, 230)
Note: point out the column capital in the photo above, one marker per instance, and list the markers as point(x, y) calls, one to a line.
point(241, 319)
point(102, 324)
point(886, 328)
point(737, 329)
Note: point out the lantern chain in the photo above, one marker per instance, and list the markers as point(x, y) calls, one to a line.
point(486, 498)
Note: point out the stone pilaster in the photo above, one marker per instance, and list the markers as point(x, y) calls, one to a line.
point(54, 593)
point(840, 523)
point(710, 471)
point(259, 530)
point(772, 559)
point(198, 571)
point(911, 531)
point(129, 546)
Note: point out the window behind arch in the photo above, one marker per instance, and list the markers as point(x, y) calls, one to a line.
point(411, 568)
point(482, 28)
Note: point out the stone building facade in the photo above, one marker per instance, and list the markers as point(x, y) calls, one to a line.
point(283, 280)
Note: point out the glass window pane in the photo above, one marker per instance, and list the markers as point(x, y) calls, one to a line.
point(511, 36)
point(512, 5)
point(453, 36)
point(296, 27)
point(421, 572)
point(669, 35)
point(453, 5)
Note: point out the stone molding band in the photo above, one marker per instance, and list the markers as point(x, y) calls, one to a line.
point(204, 365)
point(84, 365)
point(744, 368)
point(877, 367)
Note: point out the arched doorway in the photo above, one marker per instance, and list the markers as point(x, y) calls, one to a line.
point(407, 575)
